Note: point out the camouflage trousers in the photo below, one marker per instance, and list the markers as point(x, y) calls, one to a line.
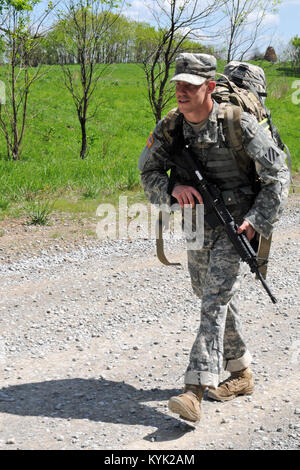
point(215, 272)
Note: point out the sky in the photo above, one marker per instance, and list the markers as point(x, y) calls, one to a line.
point(282, 25)
point(288, 19)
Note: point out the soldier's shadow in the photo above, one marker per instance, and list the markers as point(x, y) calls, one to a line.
point(97, 400)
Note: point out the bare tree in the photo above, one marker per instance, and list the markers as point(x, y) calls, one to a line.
point(85, 24)
point(176, 22)
point(245, 24)
point(20, 36)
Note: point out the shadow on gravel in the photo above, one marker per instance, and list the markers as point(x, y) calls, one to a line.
point(97, 400)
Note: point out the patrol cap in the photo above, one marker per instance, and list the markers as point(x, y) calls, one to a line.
point(194, 68)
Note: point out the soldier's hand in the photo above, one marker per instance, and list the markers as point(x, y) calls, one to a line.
point(248, 229)
point(185, 195)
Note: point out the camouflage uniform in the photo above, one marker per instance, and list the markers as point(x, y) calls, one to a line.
point(216, 268)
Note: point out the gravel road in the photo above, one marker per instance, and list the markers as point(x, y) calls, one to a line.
point(95, 338)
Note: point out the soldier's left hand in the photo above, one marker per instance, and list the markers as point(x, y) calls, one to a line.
point(248, 229)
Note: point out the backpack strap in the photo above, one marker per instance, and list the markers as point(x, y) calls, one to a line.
point(170, 123)
point(231, 117)
point(232, 127)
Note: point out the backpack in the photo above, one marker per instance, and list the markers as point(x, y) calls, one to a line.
point(243, 85)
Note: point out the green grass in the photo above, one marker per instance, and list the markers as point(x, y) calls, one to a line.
point(285, 114)
point(50, 160)
point(39, 212)
point(50, 167)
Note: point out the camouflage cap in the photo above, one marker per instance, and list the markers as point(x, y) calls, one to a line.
point(248, 74)
point(194, 68)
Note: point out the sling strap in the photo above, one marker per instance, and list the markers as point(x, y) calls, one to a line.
point(161, 223)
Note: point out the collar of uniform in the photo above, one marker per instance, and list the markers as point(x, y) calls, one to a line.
point(208, 134)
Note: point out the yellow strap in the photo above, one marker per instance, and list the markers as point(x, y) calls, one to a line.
point(263, 122)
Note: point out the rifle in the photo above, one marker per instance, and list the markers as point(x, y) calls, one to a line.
point(218, 214)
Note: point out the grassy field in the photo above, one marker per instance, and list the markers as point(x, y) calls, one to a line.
point(51, 170)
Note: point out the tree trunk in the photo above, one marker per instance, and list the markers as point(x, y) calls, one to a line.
point(14, 125)
point(83, 150)
point(15, 149)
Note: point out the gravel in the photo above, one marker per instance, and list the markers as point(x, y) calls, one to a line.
point(95, 338)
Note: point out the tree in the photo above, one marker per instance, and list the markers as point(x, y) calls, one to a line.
point(19, 35)
point(295, 42)
point(84, 25)
point(177, 21)
point(126, 41)
point(270, 54)
point(245, 20)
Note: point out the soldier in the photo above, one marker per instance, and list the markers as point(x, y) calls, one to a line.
point(215, 269)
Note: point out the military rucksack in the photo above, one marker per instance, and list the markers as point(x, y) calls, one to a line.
point(243, 87)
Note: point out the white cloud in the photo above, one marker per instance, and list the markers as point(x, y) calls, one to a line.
point(289, 2)
point(137, 10)
point(271, 19)
point(140, 10)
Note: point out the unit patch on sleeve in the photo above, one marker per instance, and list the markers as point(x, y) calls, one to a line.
point(271, 155)
point(150, 141)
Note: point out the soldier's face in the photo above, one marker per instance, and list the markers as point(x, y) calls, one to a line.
point(191, 97)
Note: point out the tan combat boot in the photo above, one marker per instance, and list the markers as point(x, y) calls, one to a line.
point(239, 383)
point(187, 405)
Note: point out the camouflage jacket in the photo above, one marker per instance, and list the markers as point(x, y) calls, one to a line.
point(219, 162)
